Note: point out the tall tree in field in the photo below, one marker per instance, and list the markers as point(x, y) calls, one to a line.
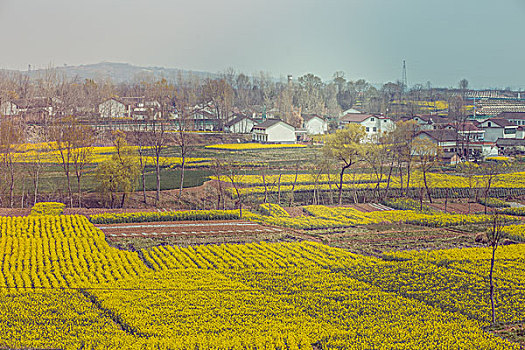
point(68, 135)
point(234, 173)
point(10, 139)
point(34, 169)
point(139, 138)
point(160, 94)
point(427, 154)
point(185, 99)
point(118, 174)
point(495, 234)
point(488, 172)
point(378, 156)
point(345, 148)
point(82, 155)
point(402, 145)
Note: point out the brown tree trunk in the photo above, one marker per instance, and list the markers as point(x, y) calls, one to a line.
point(182, 168)
point(143, 174)
point(293, 185)
point(492, 284)
point(426, 186)
point(341, 179)
point(279, 190)
point(79, 190)
point(157, 170)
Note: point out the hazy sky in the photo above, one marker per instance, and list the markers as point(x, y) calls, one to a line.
point(441, 41)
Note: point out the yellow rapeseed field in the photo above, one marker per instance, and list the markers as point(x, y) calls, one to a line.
point(63, 286)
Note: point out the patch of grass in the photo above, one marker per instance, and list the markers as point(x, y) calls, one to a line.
point(139, 243)
point(514, 333)
point(170, 178)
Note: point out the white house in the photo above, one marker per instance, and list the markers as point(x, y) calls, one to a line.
point(274, 131)
point(113, 108)
point(314, 124)
point(137, 108)
point(496, 128)
point(374, 125)
point(240, 124)
point(9, 108)
point(468, 130)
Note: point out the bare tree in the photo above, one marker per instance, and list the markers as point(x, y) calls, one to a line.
point(160, 99)
point(139, 138)
point(185, 99)
point(10, 138)
point(68, 135)
point(235, 174)
point(82, 155)
point(488, 172)
point(427, 154)
point(220, 94)
point(495, 234)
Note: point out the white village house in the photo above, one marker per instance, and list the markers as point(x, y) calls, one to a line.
point(314, 124)
point(274, 131)
point(113, 108)
point(240, 124)
point(496, 128)
point(129, 107)
point(374, 125)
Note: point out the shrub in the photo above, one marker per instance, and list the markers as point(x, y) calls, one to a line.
point(494, 203)
point(48, 208)
point(108, 218)
point(513, 211)
point(273, 210)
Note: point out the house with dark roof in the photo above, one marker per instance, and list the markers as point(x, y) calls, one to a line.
point(31, 109)
point(428, 121)
point(517, 118)
point(510, 146)
point(240, 124)
point(468, 130)
point(274, 131)
point(204, 120)
point(455, 146)
point(496, 128)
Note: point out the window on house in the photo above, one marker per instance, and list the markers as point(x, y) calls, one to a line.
point(375, 129)
point(372, 119)
point(489, 124)
point(367, 129)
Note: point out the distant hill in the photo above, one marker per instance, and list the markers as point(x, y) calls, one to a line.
point(119, 72)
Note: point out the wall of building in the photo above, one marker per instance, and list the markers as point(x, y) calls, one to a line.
point(281, 133)
point(316, 126)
